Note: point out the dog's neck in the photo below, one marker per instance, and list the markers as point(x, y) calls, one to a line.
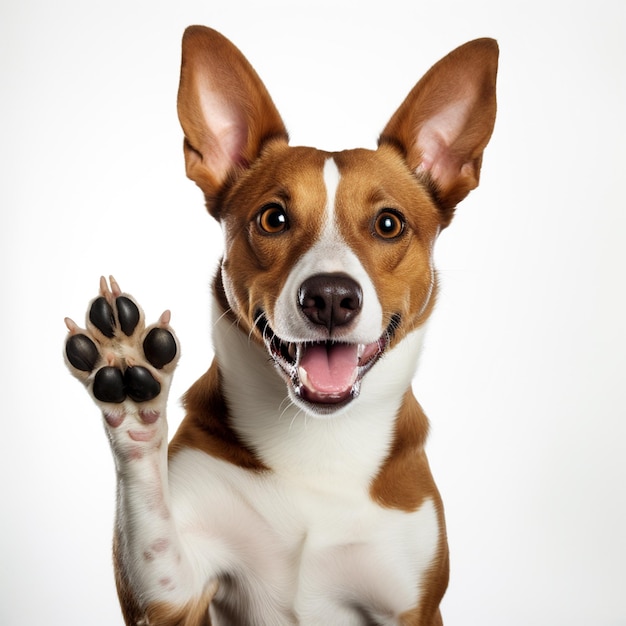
point(343, 450)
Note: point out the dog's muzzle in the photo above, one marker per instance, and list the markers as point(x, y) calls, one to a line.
point(327, 374)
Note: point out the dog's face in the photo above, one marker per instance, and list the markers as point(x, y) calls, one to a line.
point(328, 263)
point(328, 256)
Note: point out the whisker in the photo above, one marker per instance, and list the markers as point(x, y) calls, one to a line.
point(296, 416)
point(256, 324)
point(224, 314)
point(288, 405)
point(235, 323)
point(284, 405)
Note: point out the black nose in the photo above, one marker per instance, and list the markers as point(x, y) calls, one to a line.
point(330, 299)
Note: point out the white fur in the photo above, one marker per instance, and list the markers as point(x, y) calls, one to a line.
point(299, 548)
point(150, 545)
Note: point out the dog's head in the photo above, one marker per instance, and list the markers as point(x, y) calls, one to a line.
point(328, 256)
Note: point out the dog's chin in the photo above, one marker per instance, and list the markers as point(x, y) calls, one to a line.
point(323, 377)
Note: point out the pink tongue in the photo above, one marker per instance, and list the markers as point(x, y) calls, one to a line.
point(329, 370)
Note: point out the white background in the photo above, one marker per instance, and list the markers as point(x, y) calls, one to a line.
point(524, 371)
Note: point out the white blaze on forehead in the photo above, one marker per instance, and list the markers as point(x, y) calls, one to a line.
point(331, 182)
point(328, 253)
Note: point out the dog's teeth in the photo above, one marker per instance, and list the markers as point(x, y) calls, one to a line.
point(292, 350)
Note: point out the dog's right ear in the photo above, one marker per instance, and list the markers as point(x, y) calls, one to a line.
point(225, 110)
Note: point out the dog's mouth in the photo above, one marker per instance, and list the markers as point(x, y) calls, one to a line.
point(326, 375)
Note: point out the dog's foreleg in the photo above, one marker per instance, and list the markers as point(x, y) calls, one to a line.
point(127, 368)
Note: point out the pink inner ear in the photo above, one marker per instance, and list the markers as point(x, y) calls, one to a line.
point(227, 132)
point(436, 142)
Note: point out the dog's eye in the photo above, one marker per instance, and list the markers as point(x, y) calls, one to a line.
point(272, 219)
point(389, 224)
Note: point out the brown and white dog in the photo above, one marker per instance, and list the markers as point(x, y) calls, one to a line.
point(296, 490)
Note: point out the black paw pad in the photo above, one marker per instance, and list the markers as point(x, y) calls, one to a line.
point(108, 385)
point(159, 346)
point(137, 383)
point(128, 315)
point(81, 352)
point(140, 384)
point(101, 316)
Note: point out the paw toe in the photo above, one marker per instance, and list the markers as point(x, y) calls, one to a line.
point(159, 346)
point(128, 315)
point(82, 353)
point(101, 316)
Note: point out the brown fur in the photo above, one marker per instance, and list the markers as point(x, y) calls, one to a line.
point(194, 613)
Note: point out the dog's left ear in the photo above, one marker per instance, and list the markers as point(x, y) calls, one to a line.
point(226, 113)
point(446, 121)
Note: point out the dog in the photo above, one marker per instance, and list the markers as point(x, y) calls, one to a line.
point(296, 490)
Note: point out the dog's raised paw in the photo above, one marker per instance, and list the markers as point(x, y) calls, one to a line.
point(116, 356)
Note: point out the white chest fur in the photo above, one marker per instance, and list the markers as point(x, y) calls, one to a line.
point(295, 554)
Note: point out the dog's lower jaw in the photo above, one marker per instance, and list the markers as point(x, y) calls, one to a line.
point(303, 393)
point(319, 403)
